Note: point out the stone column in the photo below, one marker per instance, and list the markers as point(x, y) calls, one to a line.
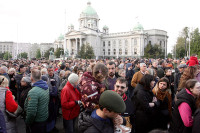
point(70, 47)
point(80, 42)
point(76, 46)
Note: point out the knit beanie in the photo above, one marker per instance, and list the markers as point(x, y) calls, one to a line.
point(73, 78)
point(112, 101)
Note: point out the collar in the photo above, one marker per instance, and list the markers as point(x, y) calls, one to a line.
point(142, 73)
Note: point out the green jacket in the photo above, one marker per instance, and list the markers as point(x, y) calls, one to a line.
point(36, 103)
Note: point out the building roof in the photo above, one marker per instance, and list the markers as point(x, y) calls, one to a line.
point(138, 27)
point(89, 10)
point(105, 27)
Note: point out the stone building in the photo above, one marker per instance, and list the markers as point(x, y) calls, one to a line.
point(110, 45)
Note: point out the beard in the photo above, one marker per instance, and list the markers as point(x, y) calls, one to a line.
point(111, 74)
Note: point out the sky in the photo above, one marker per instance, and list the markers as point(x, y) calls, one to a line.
point(40, 21)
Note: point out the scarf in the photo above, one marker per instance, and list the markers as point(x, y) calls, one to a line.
point(160, 95)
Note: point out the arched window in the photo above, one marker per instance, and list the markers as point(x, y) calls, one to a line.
point(103, 43)
point(120, 43)
point(135, 50)
point(126, 51)
point(120, 51)
point(149, 42)
point(114, 51)
point(108, 51)
point(108, 43)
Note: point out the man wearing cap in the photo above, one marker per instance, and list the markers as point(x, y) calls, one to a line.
point(102, 120)
point(178, 74)
point(70, 103)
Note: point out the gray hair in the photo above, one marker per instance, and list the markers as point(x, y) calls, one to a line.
point(4, 69)
point(142, 64)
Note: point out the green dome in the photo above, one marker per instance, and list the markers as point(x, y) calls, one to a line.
point(105, 27)
point(61, 37)
point(138, 27)
point(89, 10)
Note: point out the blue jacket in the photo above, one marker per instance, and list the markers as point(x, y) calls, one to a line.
point(2, 123)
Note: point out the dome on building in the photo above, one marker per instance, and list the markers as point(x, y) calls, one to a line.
point(138, 27)
point(61, 37)
point(105, 27)
point(89, 10)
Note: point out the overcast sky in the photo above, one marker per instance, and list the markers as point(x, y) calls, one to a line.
point(44, 20)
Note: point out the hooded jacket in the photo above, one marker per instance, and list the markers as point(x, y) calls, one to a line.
point(88, 124)
point(193, 61)
point(69, 95)
point(36, 103)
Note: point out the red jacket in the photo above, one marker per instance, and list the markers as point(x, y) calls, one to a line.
point(69, 95)
point(193, 61)
point(11, 105)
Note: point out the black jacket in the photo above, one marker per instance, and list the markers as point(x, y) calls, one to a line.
point(144, 114)
point(87, 124)
point(177, 125)
point(195, 128)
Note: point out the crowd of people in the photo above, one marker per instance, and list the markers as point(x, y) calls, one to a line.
point(101, 96)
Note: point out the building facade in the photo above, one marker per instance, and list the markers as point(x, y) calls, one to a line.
point(110, 45)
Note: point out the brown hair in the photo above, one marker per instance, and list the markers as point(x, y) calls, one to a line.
point(187, 74)
point(100, 71)
point(190, 83)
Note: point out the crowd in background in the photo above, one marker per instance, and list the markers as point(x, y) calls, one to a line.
point(105, 96)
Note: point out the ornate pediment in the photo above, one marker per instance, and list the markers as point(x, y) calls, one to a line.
point(74, 33)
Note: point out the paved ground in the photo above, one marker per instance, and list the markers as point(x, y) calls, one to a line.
point(21, 125)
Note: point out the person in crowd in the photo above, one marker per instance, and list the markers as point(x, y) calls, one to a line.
point(182, 116)
point(161, 68)
point(36, 104)
point(169, 75)
point(44, 71)
point(163, 94)
point(18, 77)
point(91, 85)
point(177, 75)
point(54, 101)
point(105, 118)
point(121, 87)
point(137, 66)
point(138, 75)
point(12, 84)
point(7, 103)
point(189, 73)
point(3, 72)
point(111, 79)
point(61, 75)
point(145, 105)
point(70, 103)
point(122, 73)
point(193, 60)
point(196, 117)
point(26, 87)
point(65, 79)
point(129, 75)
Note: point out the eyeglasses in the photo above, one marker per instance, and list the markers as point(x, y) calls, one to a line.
point(122, 87)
